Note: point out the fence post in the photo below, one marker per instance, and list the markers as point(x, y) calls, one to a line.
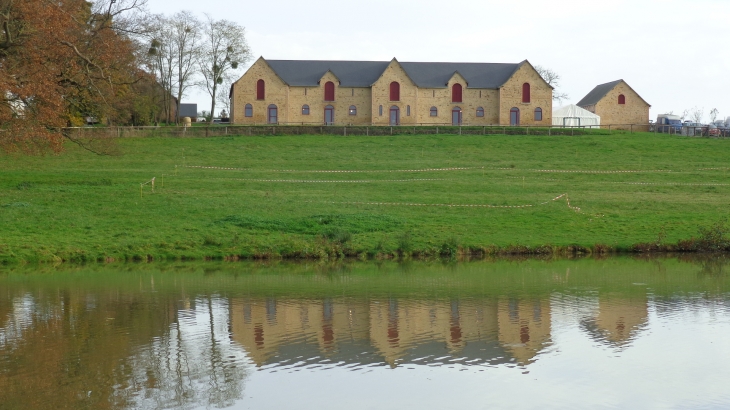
point(391, 130)
point(437, 130)
point(367, 131)
point(549, 129)
point(344, 130)
point(632, 129)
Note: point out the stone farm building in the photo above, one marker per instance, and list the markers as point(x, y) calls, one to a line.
point(618, 105)
point(390, 93)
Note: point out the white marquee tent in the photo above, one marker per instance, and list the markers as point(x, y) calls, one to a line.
point(574, 116)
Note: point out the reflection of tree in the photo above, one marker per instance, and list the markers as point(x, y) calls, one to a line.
point(196, 364)
point(713, 267)
point(110, 350)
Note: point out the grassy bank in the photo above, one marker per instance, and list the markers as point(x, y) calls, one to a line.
point(622, 190)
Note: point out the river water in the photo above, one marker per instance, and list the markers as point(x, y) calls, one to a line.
point(617, 333)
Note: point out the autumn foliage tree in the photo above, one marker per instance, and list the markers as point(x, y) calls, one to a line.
point(62, 61)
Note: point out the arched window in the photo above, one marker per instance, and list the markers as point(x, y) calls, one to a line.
point(538, 114)
point(260, 90)
point(249, 110)
point(434, 111)
point(394, 91)
point(456, 93)
point(621, 99)
point(353, 110)
point(456, 116)
point(305, 109)
point(408, 110)
point(526, 92)
point(380, 110)
point(273, 114)
point(514, 116)
point(329, 91)
point(480, 111)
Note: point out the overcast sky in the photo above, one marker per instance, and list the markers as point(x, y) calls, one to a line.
point(674, 53)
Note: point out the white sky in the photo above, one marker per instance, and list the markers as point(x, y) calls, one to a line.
point(674, 53)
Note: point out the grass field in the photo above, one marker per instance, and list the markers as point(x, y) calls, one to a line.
point(629, 188)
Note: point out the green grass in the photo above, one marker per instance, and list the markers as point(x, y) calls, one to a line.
point(79, 206)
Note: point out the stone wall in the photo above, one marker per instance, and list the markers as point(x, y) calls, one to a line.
point(381, 96)
point(414, 104)
point(344, 98)
point(244, 92)
point(634, 112)
point(541, 95)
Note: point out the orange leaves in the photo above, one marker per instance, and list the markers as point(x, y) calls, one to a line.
point(64, 61)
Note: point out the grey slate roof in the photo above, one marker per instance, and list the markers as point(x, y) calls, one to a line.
point(365, 73)
point(309, 72)
point(477, 75)
point(597, 93)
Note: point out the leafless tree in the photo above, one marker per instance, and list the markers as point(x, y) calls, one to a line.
point(685, 115)
point(224, 92)
point(174, 50)
point(553, 79)
point(224, 50)
point(161, 58)
point(186, 42)
point(696, 114)
point(713, 115)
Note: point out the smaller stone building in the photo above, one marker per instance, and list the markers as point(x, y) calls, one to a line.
point(618, 105)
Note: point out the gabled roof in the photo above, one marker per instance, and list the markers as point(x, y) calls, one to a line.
point(593, 97)
point(365, 73)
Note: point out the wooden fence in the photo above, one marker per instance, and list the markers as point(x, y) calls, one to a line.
point(216, 130)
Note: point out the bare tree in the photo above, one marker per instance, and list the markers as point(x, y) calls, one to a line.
point(186, 42)
point(713, 115)
point(685, 115)
point(696, 114)
point(553, 79)
point(224, 93)
point(224, 50)
point(161, 58)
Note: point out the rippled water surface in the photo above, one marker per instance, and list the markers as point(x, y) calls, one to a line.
point(568, 334)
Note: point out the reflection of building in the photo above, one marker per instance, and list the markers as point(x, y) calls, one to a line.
point(263, 326)
point(524, 327)
point(618, 320)
point(396, 327)
point(390, 330)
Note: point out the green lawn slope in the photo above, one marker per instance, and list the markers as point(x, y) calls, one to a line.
point(400, 195)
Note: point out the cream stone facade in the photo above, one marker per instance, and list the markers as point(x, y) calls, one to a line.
point(294, 92)
point(618, 105)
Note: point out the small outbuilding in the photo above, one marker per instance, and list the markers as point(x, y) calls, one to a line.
point(618, 105)
point(574, 116)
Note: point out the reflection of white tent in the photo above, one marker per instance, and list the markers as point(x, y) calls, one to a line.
point(574, 116)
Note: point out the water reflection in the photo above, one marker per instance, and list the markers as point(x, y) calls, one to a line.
point(172, 339)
